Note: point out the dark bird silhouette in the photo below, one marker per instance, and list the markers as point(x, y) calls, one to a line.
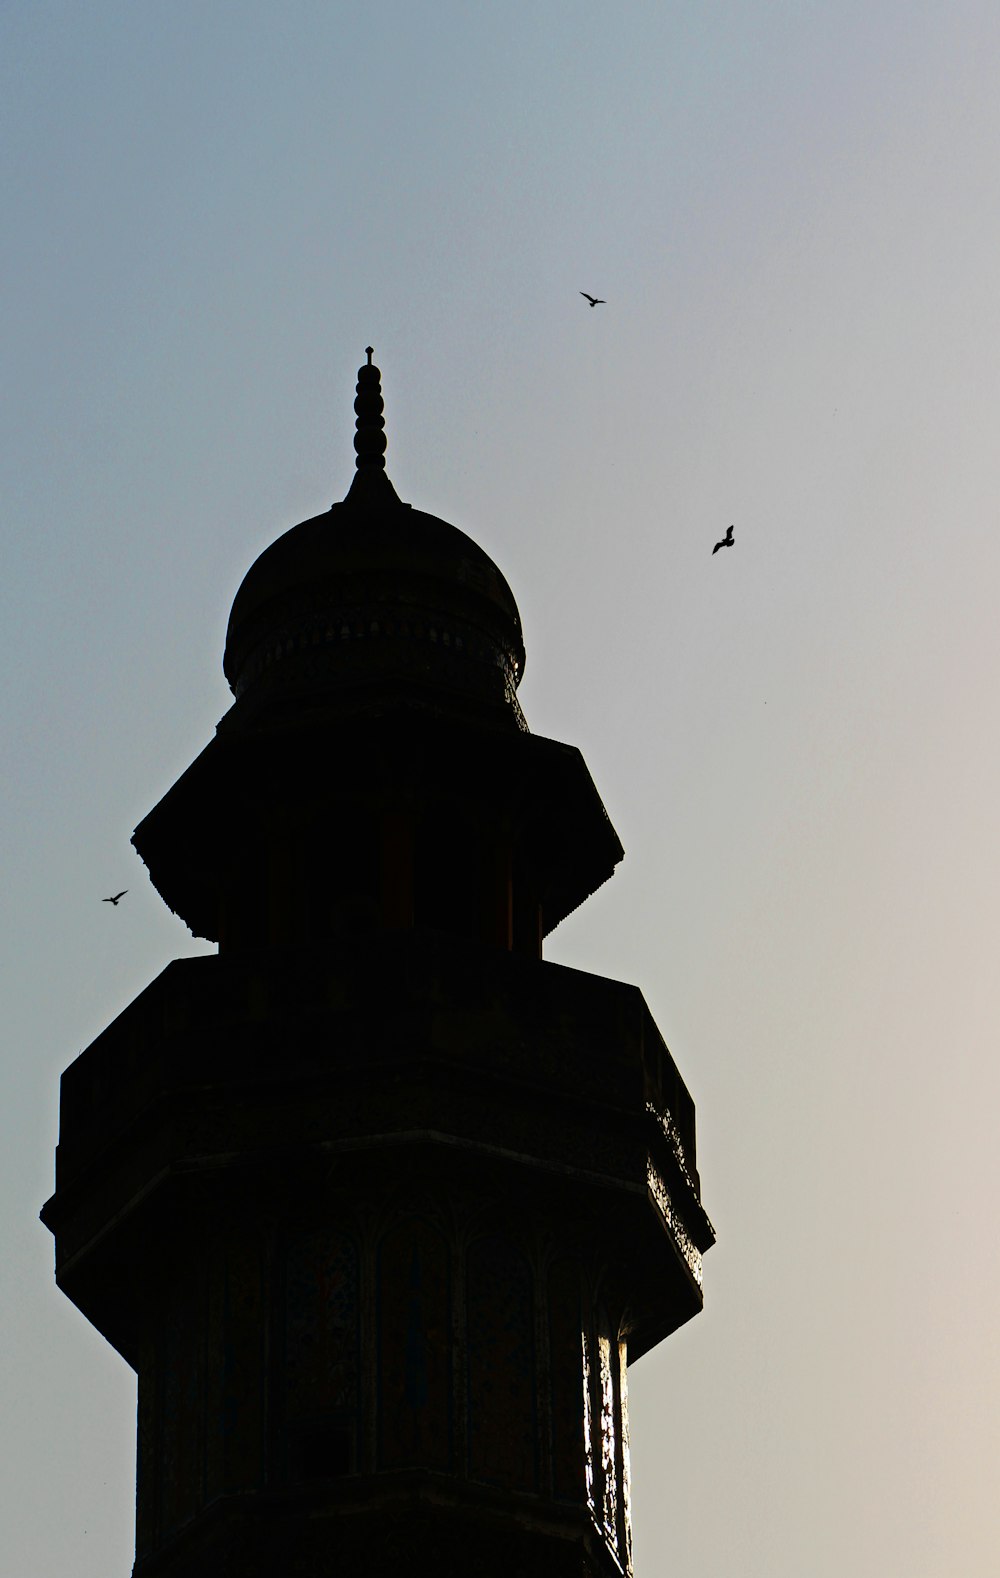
point(116, 897)
point(727, 541)
point(595, 301)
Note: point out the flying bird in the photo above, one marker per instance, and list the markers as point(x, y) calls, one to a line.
point(727, 541)
point(595, 301)
point(116, 897)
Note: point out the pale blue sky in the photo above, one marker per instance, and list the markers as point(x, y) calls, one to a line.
point(210, 209)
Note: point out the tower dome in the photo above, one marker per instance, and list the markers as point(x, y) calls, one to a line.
point(375, 603)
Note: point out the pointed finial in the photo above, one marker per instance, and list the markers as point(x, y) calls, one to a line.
point(369, 437)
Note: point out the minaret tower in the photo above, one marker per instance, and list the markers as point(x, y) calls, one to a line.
point(377, 1203)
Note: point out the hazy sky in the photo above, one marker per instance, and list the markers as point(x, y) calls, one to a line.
point(210, 208)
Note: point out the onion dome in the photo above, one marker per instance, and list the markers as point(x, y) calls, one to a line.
point(374, 603)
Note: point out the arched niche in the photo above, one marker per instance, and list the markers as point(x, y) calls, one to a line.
point(501, 1360)
point(566, 1323)
point(321, 1355)
point(414, 1346)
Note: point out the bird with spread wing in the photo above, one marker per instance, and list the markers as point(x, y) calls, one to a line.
point(726, 542)
point(115, 897)
point(595, 301)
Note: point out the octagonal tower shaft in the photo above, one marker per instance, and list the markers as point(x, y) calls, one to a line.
point(377, 1202)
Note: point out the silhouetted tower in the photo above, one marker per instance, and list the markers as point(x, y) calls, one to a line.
point(374, 1201)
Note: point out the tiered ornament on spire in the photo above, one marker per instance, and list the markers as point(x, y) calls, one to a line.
point(369, 440)
point(369, 437)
